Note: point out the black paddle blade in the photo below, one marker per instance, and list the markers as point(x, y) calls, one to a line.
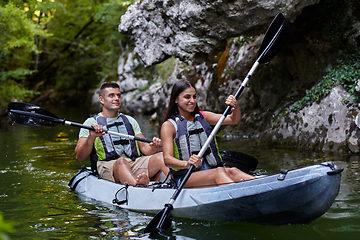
point(29, 114)
point(29, 108)
point(275, 38)
point(161, 222)
point(242, 161)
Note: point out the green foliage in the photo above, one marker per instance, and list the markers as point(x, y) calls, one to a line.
point(86, 43)
point(347, 72)
point(242, 40)
point(5, 227)
point(165, 69)
point(17, 45)
point(79, 48)
point(11, 91)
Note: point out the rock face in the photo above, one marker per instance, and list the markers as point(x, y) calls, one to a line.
point(214, 44)
point(191, 29)
point(330, 125)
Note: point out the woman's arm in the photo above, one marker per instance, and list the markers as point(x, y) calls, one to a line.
point(233, 118)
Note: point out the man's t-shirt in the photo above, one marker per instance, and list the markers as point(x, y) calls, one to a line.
point(85, 132)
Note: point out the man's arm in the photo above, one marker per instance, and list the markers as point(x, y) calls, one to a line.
point(85, 144)
point(145, 148)
point(149, 148)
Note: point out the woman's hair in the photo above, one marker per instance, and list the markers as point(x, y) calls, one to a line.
point(179, 87)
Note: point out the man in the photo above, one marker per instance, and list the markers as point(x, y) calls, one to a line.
point(118, 159)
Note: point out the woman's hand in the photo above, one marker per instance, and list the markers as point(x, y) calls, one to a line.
point(195, 160)
point(231, 101)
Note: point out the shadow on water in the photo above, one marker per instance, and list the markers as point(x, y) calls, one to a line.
point(37, 163)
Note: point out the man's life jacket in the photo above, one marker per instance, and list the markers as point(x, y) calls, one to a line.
point(110, 147)
point(191, 136)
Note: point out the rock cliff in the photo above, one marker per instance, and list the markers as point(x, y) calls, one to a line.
point(214, 44)
point(191, 29)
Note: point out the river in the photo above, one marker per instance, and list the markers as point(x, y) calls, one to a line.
point(36, 164)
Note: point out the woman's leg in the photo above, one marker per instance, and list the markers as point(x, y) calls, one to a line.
point(209, 177)
point(237, 175)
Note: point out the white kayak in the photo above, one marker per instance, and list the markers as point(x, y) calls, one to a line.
point(295, 196)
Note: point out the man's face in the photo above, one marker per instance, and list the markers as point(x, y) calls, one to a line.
point(111, 99)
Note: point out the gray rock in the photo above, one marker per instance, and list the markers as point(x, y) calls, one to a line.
point(329, 125)
point(183, 29)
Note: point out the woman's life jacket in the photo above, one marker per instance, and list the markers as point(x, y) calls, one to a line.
point(110, 147)
point(191, 136)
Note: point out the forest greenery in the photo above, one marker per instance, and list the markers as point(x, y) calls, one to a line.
point(5, 227)
point(17, 46)
point(58, 44)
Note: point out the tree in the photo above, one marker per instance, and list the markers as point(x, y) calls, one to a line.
point(85, 45)
point(16, 48)
point(59, 44)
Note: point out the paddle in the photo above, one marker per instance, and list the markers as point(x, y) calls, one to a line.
point(275, 38)
point(242, 161)
point(29, 114)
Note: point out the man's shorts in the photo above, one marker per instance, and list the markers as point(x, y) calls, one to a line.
point(138, 166)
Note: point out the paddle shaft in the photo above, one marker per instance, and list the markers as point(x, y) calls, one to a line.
point(107, 131)
point(65, 122)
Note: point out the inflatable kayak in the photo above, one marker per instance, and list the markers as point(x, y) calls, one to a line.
point(291, 196)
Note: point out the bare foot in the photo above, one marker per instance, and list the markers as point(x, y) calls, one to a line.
point(142, 179)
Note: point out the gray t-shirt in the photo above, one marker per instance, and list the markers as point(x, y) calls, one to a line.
point(88, 122)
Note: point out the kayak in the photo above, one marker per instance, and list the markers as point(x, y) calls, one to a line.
point(291, 196)
point(296, 196)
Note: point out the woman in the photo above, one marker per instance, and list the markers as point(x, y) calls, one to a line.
point(185, 130)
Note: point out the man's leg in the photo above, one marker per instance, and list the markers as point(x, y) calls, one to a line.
point(156, 166)
point(123, 174)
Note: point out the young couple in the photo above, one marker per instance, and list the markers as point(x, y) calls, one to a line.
point(183, 132)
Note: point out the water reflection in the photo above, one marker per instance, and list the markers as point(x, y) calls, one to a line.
point(36, 164)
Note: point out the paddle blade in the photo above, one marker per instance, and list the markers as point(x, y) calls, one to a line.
point(29, 114)
point(29, 108)
point(242, 161)
point(160, 223)
point(275, 38)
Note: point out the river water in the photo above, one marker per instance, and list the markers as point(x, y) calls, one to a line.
point(36, 164)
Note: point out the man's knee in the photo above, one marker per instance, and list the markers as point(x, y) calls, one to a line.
point(157, 157)
point(121, 161)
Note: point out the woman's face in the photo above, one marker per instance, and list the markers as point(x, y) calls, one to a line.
point(186, 101)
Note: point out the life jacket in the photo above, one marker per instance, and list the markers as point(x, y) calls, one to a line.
point(110, 147)
point(191, 136)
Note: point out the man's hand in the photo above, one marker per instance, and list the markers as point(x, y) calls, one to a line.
point(156, 144)
point(98, 131)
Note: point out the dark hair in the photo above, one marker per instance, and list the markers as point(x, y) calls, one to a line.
point(179, 87)
point(108, 85)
